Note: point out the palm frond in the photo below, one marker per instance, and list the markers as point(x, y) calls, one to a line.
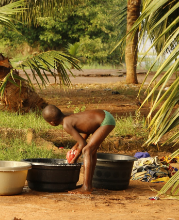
point(44, 3)
point(11, 77)
point(72, 49)
point(160, 124)
point(160, 20)
point(54, 62)
point(174, 61)
point(172, 184)
point(7, 11)
point(149, 7)
point(38, 8)
point(174, 154)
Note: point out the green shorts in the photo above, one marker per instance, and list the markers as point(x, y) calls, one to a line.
point(108, 119)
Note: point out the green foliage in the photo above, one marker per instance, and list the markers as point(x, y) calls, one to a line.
point(165, 15)
point(16, 149)
point(95, 51)
point(39, 63)
point(24, 35)
point(7, 11)
point(159, 19)
point(91, 24)
point(42, 63)
point(131, 125)
point(36, 8)
point(77, 109)
point(19, 121)
point(73, 49)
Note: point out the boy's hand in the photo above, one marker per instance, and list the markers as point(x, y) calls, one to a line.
point(77, 148)
point(78, 153)
point(70, 155)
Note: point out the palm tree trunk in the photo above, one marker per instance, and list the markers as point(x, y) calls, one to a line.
point(133, 12)
point(21, 98)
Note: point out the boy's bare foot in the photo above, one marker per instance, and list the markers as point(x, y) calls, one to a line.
point(81, 190)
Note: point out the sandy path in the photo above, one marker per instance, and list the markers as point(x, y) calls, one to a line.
point(97, 76)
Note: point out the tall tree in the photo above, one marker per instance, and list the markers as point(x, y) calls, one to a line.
point(133, 12)
point(127, 17)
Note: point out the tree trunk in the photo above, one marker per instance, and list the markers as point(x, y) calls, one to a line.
point(133, 12)
point(21, 98)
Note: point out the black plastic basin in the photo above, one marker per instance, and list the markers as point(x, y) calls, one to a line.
point(52, 175)
point(113, 171)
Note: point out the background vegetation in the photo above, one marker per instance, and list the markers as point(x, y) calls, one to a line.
point(94, 25)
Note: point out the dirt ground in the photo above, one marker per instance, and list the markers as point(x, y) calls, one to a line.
point(94, 91)
point(130, 204)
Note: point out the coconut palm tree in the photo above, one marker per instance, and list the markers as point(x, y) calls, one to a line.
point(127, 16)
point(131, 50)
point(54, 62)
point(166, 22)
point(131, 11)
point(160, 20)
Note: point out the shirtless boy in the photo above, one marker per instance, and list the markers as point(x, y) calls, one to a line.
point(97, 122)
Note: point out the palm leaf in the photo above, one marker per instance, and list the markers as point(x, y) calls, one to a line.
point(45, 3)
point(53, 62)
point(174, 154)
point(72, 49)
point(173, 183)
point(149, 7)
point(159, 125)
point(164, 120)
point(169, 73)
point(160, 20)
point(7, 11)
point(11, 78)
point(39, 8)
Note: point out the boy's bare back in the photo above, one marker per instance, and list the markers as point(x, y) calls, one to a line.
point(84, 122)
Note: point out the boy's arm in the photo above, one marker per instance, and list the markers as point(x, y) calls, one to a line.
point(84, 136)
point(79, 151)
point(77, 137)
point(81, 140)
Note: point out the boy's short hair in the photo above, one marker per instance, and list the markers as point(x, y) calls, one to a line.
point(51, 113)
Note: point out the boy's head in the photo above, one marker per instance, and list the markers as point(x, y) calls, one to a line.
point(52, 115)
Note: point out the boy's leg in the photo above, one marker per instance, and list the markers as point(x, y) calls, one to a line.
point(90, 156)
point(94, 159)
point(90, 153)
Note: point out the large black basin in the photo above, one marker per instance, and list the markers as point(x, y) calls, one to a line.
point(113, 171)
point(52, 175)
